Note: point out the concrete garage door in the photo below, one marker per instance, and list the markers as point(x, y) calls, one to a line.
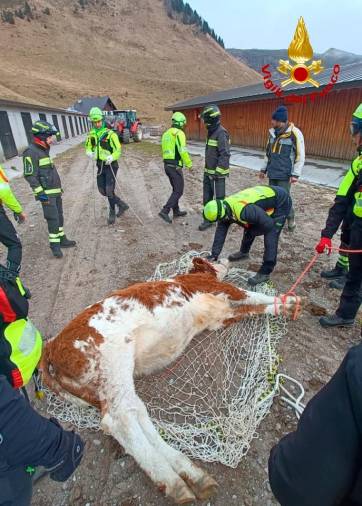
point(6, 136)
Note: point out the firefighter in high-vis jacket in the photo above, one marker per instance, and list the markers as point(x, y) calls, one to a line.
point(217, 157)
point(103, 146)
point(175, 157)
point(27, 440)
point(8, 236)
point(348, 204)
point(260, 210)
point(43, 177)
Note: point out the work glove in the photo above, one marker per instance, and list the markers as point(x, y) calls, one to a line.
point(20, 217)
point(91, 155)
point(71, 449)
point(42, 197)
point(109, 160)
point(325, 242)
point(211, 258)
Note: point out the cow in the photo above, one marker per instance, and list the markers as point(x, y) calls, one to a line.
point(136, 331)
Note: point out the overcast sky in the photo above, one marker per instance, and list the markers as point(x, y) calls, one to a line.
point(270, 24)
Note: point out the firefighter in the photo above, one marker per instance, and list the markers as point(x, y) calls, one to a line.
point(261, 210)
point(8, 236)
point(175, 156)
point(217, 157)
point(348, 203)
point(338, 275)
point(319, 464)
point(43, 177)
point(285, 155)
point(103, 146)
point(27, 440)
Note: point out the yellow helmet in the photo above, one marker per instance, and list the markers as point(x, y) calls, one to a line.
point(214, 210)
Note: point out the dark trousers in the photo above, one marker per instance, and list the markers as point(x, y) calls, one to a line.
point(351, 296)
point(10, 239)
point(320, 463)
point(271, 239)
point(176, 179)
point(286, 185)
point(214, 188)
point(106, 182)
point(53, 213)
point(16, 488)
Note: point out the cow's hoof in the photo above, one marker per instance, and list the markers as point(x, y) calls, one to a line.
point(205, 488)
point(181, 494)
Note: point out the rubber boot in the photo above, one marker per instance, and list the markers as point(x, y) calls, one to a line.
point(205, 225)
point(164, 215)
point(338, 283)
point(337, 272)
point(122, 207)
point(67, 243)
point(335, 321)
point(258, 278)
point(234, 257)
point(57, 252)
point(111, 217)
point(178, 213)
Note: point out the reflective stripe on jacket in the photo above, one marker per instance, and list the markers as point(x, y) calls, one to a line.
point(6, 195)
point(104, 142)
point(174, 148)
point(254, 195)
point(217, 153)
point(40, 172)
point(348, 201)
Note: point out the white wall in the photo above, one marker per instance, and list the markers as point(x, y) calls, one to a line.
point(18, 130)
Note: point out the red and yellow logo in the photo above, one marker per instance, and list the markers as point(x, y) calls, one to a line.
point(300, 51)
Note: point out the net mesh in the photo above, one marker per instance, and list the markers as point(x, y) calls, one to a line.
point(209, 403)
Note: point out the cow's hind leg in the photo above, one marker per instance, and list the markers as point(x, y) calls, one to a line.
point(120, 412)
point(202, 484)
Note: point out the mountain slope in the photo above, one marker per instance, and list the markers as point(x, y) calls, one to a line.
point(256, 58)
point(128, 49)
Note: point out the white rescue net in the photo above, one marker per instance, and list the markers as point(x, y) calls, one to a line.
point(210, 402)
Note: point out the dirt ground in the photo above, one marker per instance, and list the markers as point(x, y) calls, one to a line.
point(107, 258)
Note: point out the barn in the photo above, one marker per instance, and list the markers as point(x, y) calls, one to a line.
point(16, 119)
point(323, 114)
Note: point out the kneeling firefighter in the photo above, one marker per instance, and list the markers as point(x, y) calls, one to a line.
point(44, 179)
point(261, 210)
point(27, 440)
point(103, 146)
point(8, 235)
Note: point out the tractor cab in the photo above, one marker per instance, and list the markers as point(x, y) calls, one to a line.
point(127, 125)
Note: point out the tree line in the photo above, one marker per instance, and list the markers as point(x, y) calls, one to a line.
point(189, 16)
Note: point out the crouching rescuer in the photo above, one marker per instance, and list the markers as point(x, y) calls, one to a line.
point(261, 211)
point(27, 440)
point(103, 146)
point(43, 177)
point(175, 157)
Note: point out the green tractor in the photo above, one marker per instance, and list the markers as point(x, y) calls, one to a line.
point(126, 124)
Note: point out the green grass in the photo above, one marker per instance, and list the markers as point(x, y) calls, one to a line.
point(145, 147)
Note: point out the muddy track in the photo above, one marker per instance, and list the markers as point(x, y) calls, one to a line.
point(107, 258)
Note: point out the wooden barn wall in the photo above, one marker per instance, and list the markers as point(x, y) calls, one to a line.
point(324, 123)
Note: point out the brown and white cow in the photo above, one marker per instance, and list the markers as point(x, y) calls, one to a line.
point(136, 331)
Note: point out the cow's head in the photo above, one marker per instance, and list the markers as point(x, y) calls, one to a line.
point(201, 265)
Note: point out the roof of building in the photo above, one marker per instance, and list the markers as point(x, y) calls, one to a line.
point(349, 74)
point(85, 104)
point(4, 103)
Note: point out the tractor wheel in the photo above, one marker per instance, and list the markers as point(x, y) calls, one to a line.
point(138, 136)
point(126, 136)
